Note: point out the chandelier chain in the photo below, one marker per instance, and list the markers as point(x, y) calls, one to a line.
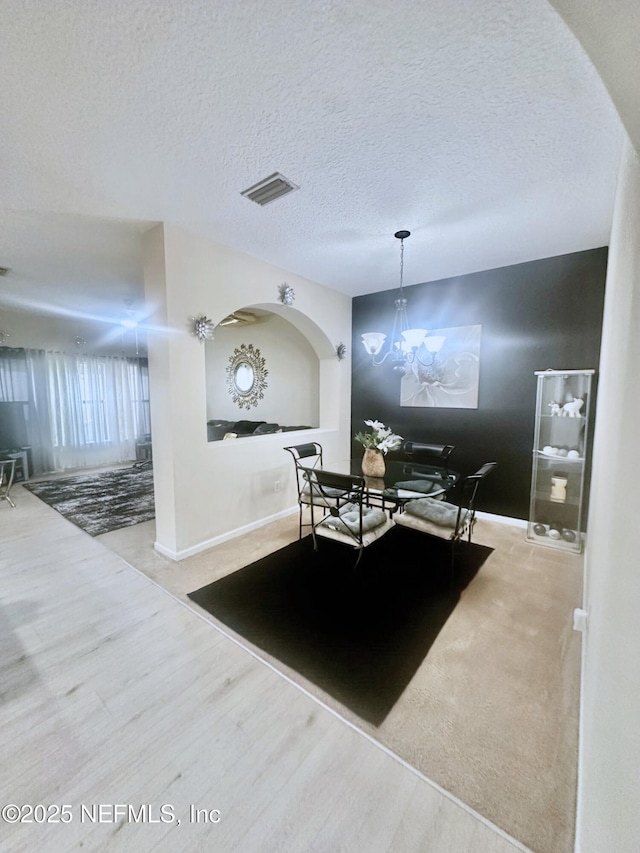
point(403, 347)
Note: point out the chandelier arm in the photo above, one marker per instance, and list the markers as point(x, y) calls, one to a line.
point(425, 363)
point(382, 360)
point(390, 348)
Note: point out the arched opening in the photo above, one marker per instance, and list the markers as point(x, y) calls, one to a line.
point(263, 374)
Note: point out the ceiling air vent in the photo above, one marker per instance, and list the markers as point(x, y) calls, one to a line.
point(4, 271)
point(269, 189)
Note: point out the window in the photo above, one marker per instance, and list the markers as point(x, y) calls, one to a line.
point(82, 409)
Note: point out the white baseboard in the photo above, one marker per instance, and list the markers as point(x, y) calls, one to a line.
point(224, 537)
point(502, 519)
point(176, 556)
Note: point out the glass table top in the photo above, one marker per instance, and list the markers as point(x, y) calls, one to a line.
point(402, 480)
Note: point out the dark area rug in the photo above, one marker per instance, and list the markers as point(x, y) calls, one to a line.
point(99, 503)
point(359, 636)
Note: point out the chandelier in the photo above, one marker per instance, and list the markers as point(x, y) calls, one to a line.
point(405, 342)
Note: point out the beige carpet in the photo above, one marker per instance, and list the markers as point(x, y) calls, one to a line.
point(492, 713)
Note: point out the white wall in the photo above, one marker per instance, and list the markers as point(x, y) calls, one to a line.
point(208, 491)
point(291, 395)
point(609, 766)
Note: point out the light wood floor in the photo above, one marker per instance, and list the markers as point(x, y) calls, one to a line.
point(115, 692)
point(491, 714)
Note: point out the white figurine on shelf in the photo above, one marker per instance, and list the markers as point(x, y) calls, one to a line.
point(572, 408)
point(555, 407)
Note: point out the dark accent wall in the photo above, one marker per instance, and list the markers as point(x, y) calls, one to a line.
point(534, 316)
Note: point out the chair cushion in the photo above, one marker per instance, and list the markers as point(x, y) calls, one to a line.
point(350, 515)
point(438, 518)
point(377, 521)
point(441, 513)
point(321, 497)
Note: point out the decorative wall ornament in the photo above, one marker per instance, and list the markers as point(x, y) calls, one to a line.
point(246, 376)
point(203, 328)
point(341, 351)
point(447, 377)
point(286, 294)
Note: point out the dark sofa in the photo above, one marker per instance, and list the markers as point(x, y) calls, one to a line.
point(217, 429)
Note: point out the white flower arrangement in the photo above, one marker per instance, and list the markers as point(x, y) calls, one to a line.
point(380, 438)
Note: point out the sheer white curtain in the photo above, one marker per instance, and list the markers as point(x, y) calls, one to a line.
point(39, 424)
point(83, 410)
point(92, 409)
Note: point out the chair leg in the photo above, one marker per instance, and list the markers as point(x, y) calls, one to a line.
point(471, 524)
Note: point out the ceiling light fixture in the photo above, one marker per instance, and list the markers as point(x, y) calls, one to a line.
point(405, 341)
point(239, 318)
point(129, 318)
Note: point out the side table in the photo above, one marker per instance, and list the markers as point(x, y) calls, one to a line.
point(7, 473)
point(21, 462)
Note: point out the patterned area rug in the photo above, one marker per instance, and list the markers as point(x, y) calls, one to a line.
point(99, 503)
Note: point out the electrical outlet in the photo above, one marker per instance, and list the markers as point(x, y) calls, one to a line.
point(276, 486)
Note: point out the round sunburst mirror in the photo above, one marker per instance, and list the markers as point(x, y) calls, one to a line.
point(246, 376)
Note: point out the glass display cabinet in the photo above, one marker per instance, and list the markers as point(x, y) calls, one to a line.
point(560, 451)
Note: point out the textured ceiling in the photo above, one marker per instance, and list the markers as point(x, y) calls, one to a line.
point(482, 127)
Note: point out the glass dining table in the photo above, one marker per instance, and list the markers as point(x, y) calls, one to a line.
point(403, 481)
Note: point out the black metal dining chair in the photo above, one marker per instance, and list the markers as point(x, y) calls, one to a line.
point(437, 454)
point(349, 519)
point(307, 455)
point(444, 519)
